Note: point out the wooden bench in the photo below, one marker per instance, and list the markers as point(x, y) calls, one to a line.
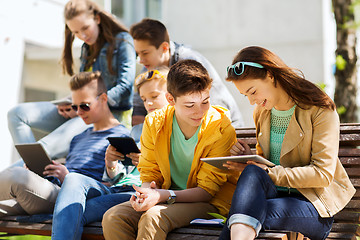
point(346, 224)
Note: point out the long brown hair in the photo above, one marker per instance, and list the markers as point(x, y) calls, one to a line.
point(303, 92)
point(108, 28)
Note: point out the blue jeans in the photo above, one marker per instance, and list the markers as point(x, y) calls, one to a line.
point(83, 200)
point(257, 203)
point(43, 116)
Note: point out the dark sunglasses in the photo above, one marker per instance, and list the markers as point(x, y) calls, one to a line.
point(83, 106)
point(238, 68)
point(152, 73)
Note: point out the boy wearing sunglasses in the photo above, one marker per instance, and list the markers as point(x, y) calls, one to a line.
point(67, 225)
point(23, 192)
point(154, 49)
point(176, 186)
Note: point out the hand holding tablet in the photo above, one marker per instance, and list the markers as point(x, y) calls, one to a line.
point(124, 145)
point(34, 156)
point(219, 161)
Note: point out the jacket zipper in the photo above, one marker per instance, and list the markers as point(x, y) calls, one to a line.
point(340, 184)
point(323, 202)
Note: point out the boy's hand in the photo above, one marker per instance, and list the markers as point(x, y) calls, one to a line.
point(146, 198)
point(56, 170)
point(240, 148)
point(134, 157)
point(112, 155)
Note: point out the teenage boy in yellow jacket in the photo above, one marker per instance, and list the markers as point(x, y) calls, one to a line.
point(172, 142)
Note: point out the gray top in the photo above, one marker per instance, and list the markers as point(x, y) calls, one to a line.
point(219, 94)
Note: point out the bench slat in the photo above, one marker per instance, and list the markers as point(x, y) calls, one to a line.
point(348, 216)
point(350, 161)
point(355, 182)
point(354, 204)
point(28, 228)
point(335, 235)
point(353, 172)
point(346, 227)
point(346, 222)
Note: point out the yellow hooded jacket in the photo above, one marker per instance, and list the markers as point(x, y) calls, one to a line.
point(215, 138)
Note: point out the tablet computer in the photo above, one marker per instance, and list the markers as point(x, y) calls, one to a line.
point(124, 145)
point(34, 156)
point(219, 161)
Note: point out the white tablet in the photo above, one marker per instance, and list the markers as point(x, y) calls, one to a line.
point(34, 156)
point(219, 161)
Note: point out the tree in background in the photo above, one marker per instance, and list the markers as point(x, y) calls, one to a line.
point(346, 73)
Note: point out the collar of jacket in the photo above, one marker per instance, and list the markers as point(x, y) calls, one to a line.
point(214, 118)
point(293, 136)
point(210, 131)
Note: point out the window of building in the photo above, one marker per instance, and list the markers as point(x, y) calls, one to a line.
point(132, 11)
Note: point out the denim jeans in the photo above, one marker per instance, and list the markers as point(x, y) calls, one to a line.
point(83, 200)
point(43, 116)
point(258, 204)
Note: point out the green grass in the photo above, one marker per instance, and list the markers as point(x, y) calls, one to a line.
point(25, 237)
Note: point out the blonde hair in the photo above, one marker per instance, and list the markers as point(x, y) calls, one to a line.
point(160, 74)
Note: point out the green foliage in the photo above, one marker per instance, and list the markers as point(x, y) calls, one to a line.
point(216, 215)
point(340, 63)
point(354, 9)
point(341, 110)
point(322, 86)
point(25, 237)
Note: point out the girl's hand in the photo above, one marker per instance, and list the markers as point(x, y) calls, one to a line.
point(240, 148)
point(263, 166)
point(236, 166)
point(134, 157)
point(56, 170)
point(240, 166)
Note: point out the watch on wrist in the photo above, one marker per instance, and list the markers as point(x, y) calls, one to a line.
point(172, 197)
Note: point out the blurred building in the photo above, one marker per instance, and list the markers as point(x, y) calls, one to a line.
point(301, 32)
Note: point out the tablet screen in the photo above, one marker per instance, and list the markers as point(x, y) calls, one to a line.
point(219, 161)
point(34, 156)
point(124, 145)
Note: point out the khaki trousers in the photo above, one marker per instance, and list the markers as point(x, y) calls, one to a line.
point(24, 192)
point(123, 222)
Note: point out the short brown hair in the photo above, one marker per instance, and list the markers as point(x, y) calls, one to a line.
point(81, 79)
point(151, 30)
point(187, 76)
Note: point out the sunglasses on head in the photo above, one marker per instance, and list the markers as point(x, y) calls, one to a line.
point(238, 68)
point(83, 106)
point(149, 75)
